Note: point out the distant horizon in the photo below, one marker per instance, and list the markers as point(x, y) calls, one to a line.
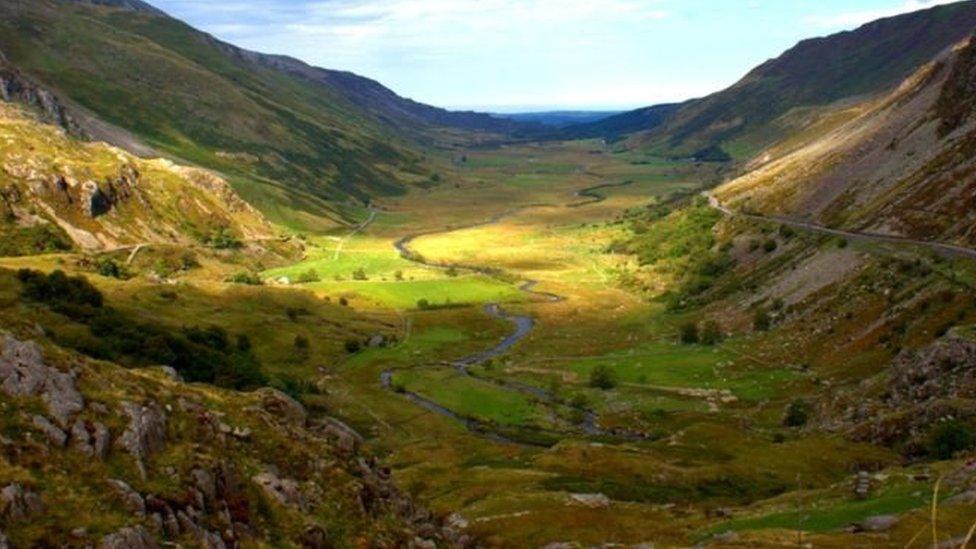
point(525, 56)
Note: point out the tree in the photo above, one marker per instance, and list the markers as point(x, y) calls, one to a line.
point(761, 321)
point(797, 414)
point(398, 275)
point(949, 437)
point(603, 377)
point(689, 333)
point(712, 333)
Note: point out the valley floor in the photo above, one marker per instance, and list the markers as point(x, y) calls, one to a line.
point(513, 362)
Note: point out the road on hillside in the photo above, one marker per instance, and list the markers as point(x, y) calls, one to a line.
point(947, 250)
point(523, 327)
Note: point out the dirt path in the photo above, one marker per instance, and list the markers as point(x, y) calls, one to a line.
point(359, 229)
point(947, 250)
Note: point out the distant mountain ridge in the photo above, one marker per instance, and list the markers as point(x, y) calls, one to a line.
point(871, 59)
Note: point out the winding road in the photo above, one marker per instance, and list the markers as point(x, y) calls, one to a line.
point(947, 250)
point(523, 327)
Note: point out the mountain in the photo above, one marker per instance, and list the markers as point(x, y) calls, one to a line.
point(753, 113)
point(900, 164)
point(295, 140)
point(558, 119)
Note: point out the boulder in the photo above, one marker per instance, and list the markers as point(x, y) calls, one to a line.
point(880, 523)
point(593, 501)
point(132, 537)
point(55, 436)
point(24, 373)
point(282, 406)
point(90, 438)
point(285, 491)
point(377, 340)
point(132, 500)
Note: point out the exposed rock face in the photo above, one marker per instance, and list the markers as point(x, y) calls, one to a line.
point(146, 433)
point(23, 373)
point(283, 407)
point(129, 538)
point(56, 437)
point(129, 497)
point(18, 503)
point(924, 386)
point(14, 86)
point(90, 438)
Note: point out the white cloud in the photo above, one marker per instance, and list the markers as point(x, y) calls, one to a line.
point(856, 18)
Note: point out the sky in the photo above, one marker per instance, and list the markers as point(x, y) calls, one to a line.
point(525, 55)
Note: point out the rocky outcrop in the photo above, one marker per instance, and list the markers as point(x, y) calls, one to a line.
point(90, 438)
point(282, 407)
point(55, 437)
point(146, 432)
point(23, 373)
point(285, 491)
point(15, 86)
point(923, 387)
point(18, 503)
point(131, 499)
point(129, 538)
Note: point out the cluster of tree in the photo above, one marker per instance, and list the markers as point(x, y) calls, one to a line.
point(206, 354)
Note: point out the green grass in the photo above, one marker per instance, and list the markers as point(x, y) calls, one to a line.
point(465, 290)
point(832, 515)
point(688, 366)
point(470, 397)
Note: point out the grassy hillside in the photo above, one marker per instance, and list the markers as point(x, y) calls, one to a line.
point(289, 137)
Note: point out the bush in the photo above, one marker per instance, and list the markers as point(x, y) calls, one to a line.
point(423, 304)
point(353, 346)
point(308, 277)
point(761, 321)
point(452, 272)
point(688, 333)
point(769, 245)
point(603, 377)
point(251, 279)
point(949, 437)
point(59, 290)
point(222, 239)
point(301, 343)
point(108, 268)
point(797, 414)
point(711, 333)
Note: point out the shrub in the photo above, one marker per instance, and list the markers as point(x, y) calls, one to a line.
point(580, 401)
point(398, 276)
point(301, 343)
point(222, 239)
point(769, 245)
point(359, 274)
point(452, 271)
point(344, 302)
point(308, 277)
point(688, 333)
point(603, 377)
point(761, 321)
point(423, 304)
point(108, 268)
point(949, 437)
point(353, 346)
point(251, 279)
point(797, 414)
point(59, 290)
point(711, 333)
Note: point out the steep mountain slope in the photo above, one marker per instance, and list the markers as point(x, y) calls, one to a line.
point(815, 73)
point(100, 197)
point(903, 165)
point(294, 139)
